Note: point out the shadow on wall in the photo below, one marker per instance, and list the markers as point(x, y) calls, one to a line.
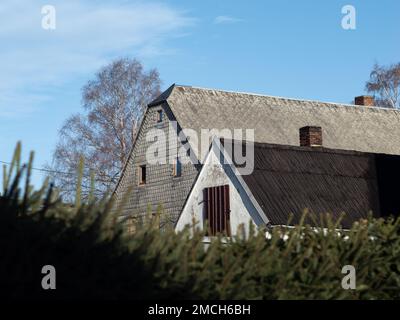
point(388, 174)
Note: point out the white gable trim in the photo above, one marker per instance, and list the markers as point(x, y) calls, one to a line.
point(256, 213)
point(217, 143)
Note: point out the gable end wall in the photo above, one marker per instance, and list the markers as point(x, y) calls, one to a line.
point(161, 187)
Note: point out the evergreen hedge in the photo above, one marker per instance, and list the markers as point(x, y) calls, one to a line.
point(96, 259)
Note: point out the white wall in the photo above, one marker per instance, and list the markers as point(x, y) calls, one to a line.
point(213, 173)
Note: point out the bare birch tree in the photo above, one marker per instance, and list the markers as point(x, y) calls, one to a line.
point(384, 83)
point(113, 103)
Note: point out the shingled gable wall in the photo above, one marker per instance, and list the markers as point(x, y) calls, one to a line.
point(161, 186)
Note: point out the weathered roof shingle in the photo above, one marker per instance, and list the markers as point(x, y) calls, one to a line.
point(287, 180)
point(277, 120)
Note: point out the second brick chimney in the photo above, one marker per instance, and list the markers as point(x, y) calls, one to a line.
point(311, 136)
point(364, 101)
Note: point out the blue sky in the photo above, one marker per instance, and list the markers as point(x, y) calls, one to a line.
point(285, 48)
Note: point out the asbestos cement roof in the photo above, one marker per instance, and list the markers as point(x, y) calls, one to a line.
point(277, 120)
point(289, 180)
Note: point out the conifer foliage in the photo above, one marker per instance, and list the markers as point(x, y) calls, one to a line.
point(95, 258)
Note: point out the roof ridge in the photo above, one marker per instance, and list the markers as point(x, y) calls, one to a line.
point(290, 99)
point(163, 96)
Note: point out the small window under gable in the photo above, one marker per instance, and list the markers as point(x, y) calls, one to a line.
point(159, 116)
point(178, 167)
point(142, 175)
point(217, 210)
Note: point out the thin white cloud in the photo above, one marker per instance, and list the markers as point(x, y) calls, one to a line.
point(88, 34)
point(26, 104)
point(226, 20)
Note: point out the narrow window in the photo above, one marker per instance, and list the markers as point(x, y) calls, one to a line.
point(142, 175)
point(159, 116)
point(178, 167)
point(217, 213)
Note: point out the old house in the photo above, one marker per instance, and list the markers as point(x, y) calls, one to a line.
point(325, 157)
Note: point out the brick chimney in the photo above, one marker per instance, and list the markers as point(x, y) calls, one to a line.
point(311, 136)
point(364, 101)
